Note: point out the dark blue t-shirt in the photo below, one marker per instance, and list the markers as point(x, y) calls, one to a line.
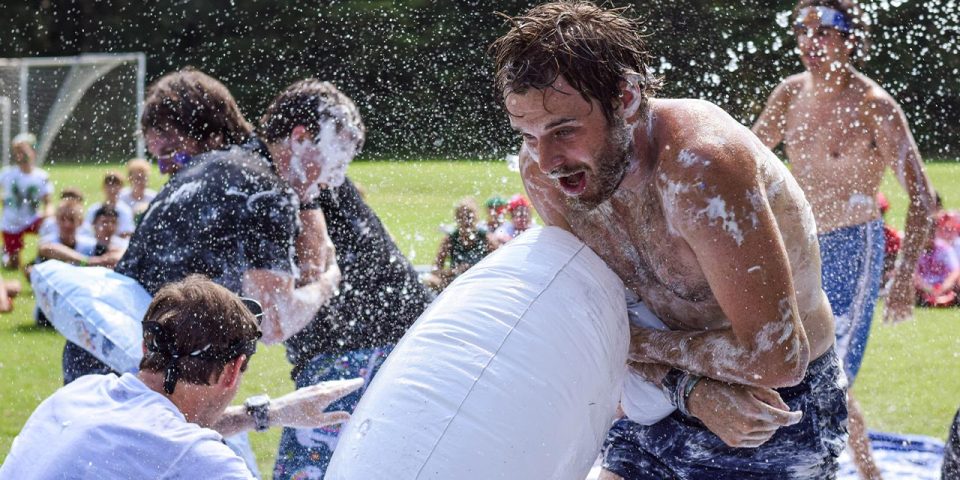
point(380, 292)
point(226, 212)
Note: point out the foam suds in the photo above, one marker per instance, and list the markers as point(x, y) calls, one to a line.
point(716, 209)
point(337, 152)
point(689, 159)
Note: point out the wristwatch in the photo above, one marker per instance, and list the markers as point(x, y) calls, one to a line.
point(258, 407)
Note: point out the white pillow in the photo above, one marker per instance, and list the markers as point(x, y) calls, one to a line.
point(514, 371)
point(98, 309)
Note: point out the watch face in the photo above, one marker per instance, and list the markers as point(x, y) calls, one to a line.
point(257, 401)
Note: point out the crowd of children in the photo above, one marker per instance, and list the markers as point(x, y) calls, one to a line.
point(938, 269)
point(937, 277)
point(470, 240)
point(95, 236)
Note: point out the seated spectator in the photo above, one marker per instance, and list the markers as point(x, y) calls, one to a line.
point(464, 247)
point(112, 183)
point(496, 208)
point(26, 193)
point(108, 248)
point(937, 273)
point(948, 229)
point(48, 229)
point(137, 196)
point(168, 420)
point(520, 219)
point(66, 245)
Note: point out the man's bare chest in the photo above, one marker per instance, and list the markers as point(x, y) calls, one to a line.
point(828, 139)
point(635, 240)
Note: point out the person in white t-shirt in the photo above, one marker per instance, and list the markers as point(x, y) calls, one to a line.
point(168, 420)
point(137, 196)
point(26, 193)
point(68, 244)
point(112, 184)
point(48, 228)
point(65, 244)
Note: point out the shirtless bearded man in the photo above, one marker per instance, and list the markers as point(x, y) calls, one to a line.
point(841, 131)
point(701, 221)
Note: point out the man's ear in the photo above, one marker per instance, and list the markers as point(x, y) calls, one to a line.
point(232, 371)
point(299, 133)
point(631, 99)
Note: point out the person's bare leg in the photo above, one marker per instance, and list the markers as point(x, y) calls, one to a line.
point(13, 287)
point(859, 442)
point(608, 475)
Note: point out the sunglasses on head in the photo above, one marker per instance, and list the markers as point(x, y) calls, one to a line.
point(162, 342)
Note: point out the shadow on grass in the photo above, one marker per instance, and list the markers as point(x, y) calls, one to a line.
point(32, 328)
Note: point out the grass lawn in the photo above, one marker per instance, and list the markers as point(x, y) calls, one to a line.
point(908, 382)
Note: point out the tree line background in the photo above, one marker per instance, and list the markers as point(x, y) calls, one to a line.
point(419, 71)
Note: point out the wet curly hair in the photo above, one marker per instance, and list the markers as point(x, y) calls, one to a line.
point(195, 105)
point(594, 49)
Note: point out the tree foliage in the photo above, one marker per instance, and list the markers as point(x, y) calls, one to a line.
point(420, 73)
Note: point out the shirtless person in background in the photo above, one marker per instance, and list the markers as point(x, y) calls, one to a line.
point(841, 131)
point(701, 221)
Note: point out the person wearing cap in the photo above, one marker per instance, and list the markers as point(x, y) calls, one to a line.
point(520, 219)
point(841, 131)
point(26, 193)
point(168, 420)
point(315, 125)
point(496, 208)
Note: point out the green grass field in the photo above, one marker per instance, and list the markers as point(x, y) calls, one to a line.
point(908, 383)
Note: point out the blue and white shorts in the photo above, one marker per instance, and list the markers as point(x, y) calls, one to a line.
point(852, 266)
point(682, 448)
point(305, 453)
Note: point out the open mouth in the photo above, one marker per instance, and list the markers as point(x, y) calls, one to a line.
point(573, 185)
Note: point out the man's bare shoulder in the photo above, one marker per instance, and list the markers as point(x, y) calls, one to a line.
point(876, 99)
point(791, 86)
point(698, 138)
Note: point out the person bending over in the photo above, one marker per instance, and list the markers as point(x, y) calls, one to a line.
point(168, 420)
point(701, 221)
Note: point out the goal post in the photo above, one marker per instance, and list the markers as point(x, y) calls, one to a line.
point(87, 105)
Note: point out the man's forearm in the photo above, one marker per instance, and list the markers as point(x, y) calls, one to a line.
point(915, 238)
point(288, 309)
point(56, 251)
point(775, 359)
point(651, 372)
point(301, 304)
point(233, 421)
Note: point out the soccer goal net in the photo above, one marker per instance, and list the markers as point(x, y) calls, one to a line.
point(82, 109)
